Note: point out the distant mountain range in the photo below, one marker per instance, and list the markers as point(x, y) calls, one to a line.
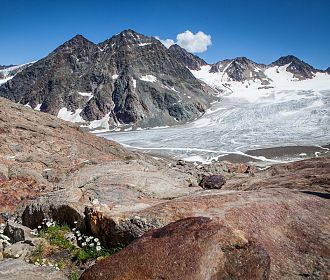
point(132, 80)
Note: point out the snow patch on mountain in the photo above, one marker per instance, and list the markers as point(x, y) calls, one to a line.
point(148, 78)
point(88, 94)
point(70, 116)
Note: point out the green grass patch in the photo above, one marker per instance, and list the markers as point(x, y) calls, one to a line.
point(56, 236)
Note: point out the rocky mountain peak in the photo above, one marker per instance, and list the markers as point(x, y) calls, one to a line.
point(328, 70)
point(300, 69)
point(240, 69)
point(242, 59)
point(193, 62)
point(76, 42)
point(283, 60)
point(128, 39)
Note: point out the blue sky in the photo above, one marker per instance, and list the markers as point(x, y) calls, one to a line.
point(259, 30)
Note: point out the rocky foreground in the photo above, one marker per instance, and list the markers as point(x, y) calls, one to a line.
point(177, 220)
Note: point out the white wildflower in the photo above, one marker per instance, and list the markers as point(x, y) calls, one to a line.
point(98, 248)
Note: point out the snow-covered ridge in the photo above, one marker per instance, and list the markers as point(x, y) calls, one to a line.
point(277, 78)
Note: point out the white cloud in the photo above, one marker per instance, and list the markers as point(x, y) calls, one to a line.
point(167, 42)
point(195, 43)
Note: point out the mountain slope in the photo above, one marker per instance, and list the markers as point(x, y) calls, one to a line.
point(191, 61)
point(128, 79)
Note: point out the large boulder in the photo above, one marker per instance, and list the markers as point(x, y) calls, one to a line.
point(292, 226)
point(193, 248)
point(212, 182)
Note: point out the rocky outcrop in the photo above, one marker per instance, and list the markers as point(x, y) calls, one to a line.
point(300, 69)
point(328, 70)
point(38, 151)
point(193, 248)
point(286, 216)
point(193, 62)
point(128, 79)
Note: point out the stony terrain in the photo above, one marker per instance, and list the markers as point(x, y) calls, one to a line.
point(271, 224)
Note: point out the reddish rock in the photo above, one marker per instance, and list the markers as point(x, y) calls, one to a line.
point(38, 150)
point(189, 249)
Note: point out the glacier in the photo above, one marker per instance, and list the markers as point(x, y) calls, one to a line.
point(286, 113)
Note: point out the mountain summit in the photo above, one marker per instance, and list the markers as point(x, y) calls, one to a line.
point(129, 79)
point(300, 69)
point(240, 69)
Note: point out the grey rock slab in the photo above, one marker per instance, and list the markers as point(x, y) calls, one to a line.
point(14, 269)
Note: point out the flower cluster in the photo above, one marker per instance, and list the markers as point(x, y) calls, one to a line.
point(87, 241)
point(45, 224)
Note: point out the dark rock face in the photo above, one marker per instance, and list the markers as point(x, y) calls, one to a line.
point(241, 69)
point(192, 248)
point(193, 62)
point(131, 78)
point(212, 182)
point(300, 69)
point(328, 70)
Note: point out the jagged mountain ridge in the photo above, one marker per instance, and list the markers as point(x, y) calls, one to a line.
point(127, 79)
point(132, 79)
